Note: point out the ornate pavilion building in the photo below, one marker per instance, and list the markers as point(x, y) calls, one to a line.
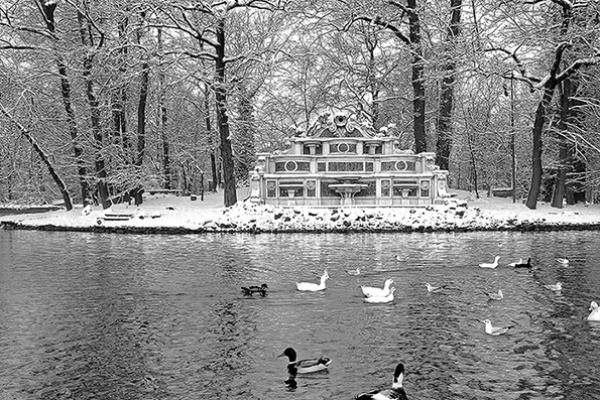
point(339, 162)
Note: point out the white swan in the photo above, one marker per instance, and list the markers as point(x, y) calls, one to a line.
point(377, 292)
point(313, 287)
point(381, 299)
point(595, 312)
point(490, 265)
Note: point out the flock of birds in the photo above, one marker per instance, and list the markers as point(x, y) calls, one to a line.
point(386, 295)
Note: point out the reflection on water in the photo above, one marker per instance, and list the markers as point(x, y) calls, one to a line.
point(87, 316)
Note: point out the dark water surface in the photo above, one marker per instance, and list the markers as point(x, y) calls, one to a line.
point(94, 316)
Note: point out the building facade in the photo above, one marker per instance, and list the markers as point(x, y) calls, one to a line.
point(339, 162)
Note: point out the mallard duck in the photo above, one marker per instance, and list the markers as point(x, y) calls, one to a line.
point(524, 265)
point(554, 287)
point(377, 292)
point(381, 299)
point(304, 366)
point(513, 264)
point(490, 265)
point(313, 287)
point(595, 312)
point(495, 331)
point(396, 392)
point(249, 290)
point(434, 289)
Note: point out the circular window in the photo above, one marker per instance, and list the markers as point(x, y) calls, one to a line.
point(401, 166)
point(343, 147)
point(340, 120)
point(424, 185)
point(291, 166)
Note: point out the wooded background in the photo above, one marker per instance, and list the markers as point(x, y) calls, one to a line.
point(100, 100)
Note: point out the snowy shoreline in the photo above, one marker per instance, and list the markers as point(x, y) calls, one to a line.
point(178, 215)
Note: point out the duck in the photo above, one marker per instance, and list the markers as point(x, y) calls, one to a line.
point(512, 264)
point(434, 289)
point(524, 265)
point(313, 287)
point(495, 296)
point(554, 287)
point(381, 299)
point(304, 366)
point(495, 331)
point(249, 290)
point(490, 265)
point(377, 292)
point(397, 258)
point(353, 272)
point(595, 312)
point(562, 261)
point(395, 393)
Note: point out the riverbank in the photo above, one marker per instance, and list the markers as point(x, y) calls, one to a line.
point(171, 214)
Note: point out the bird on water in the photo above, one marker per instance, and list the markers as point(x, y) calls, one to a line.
point(313, 287)
point(395, 393)
point(250, 290)
point(304, 366)
point(377, 292)
point(490, 265)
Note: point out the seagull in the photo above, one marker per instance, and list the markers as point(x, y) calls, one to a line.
point(555, 288)
point(377, 292)
point(495, 296)
point(353, 272)
point(494, 331)
point(396, 392)
point(381, 299)
point(512, 264)
point(434, 289)
point(562, 261)
point(313, 287)
point(524, 265)
point(304, 366)
point(595, 312)
point(492, 265)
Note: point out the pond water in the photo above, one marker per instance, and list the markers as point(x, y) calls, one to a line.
point(95, 316)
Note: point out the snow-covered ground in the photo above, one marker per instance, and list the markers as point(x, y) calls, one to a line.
point(169, 213)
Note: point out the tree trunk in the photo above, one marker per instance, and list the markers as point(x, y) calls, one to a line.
point(473, 163)
point(141, 131)
point(536, 155)
point(444, 122)
point(163, 115)
point(119, 96)
point(213, 161)
point(95, 117)
point(65, 86)
point(229, 192)
point(418, 78)
point(45, 159)
point(245, 149)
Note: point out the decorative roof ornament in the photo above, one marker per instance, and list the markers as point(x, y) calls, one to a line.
point(342, 125)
